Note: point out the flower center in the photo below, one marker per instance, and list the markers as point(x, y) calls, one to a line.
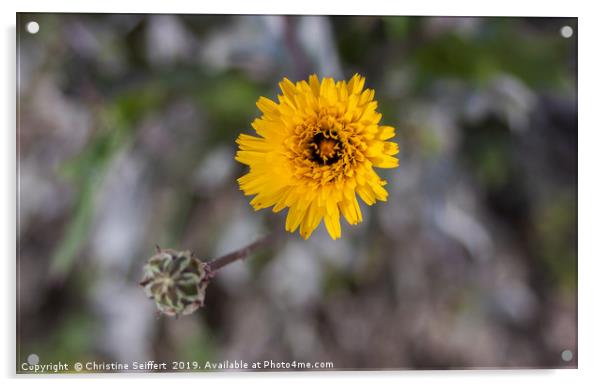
point(325, 150)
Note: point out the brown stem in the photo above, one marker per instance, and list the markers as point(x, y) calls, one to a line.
point(234, 256)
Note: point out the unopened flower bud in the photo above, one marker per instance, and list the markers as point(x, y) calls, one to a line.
point(176, 281)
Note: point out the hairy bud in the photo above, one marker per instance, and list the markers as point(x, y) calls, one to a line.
point(176, 281)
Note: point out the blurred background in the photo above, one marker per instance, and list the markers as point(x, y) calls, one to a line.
point(126, 130)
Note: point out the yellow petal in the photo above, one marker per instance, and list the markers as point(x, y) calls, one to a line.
point(267, 106)
point(333, 225)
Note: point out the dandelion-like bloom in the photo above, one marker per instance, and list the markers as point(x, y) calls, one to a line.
point(317, 148)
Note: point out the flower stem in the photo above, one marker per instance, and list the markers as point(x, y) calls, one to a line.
point(234, 256)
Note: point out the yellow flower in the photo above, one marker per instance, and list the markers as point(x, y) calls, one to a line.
point(317, 148)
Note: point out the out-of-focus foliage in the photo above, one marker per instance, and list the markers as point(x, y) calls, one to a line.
point(126, 139)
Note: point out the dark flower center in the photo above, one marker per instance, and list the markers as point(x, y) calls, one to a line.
point(325, 149)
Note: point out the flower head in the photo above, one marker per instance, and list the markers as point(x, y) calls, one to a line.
point(317, 148)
